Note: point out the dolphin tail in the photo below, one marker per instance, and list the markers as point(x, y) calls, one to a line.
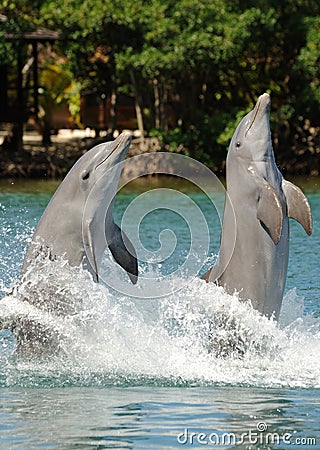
point(298, 207)
point(124, 253)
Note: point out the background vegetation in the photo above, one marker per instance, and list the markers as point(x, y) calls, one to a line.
point(193, 66)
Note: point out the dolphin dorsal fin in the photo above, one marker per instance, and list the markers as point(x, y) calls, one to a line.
point(269, 210)
point(124, 253)
point(298, 207)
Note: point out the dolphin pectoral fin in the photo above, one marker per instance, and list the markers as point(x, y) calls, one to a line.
point(269, 210)
point(298, 207)
point(91, 254)
point(124, 253)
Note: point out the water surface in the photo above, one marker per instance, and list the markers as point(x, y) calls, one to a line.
point(136, 371)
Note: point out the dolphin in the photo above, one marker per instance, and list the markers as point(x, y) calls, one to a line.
point(254, 250)
point(78, 223)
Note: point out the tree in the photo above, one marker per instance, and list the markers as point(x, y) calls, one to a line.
point(195, 66)
point(57, 88)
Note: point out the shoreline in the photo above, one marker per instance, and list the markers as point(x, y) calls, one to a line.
point(36, 161)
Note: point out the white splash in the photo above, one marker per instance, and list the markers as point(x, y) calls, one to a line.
point(198, 335)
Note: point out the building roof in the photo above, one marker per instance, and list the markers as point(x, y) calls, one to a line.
point(40, 34)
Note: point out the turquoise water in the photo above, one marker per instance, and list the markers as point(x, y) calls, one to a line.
point(136, 371)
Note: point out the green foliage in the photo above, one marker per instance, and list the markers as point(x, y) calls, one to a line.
point(57, 88)
point(308, 61)
point(198, 65)
point(201, 141)
point(231, 122)
point(16, 16)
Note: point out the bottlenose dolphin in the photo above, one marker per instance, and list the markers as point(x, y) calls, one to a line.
point(254, 249)
point(77, 226)
point(78, 223)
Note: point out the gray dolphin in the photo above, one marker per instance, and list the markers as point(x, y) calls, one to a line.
point(78, 223)
point(254, 250)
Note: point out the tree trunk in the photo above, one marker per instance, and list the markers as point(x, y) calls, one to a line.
point(113, 110)
point(156, 103)
point(137, 103)
point(113, 98)
point(18, 126)
point(164, 109)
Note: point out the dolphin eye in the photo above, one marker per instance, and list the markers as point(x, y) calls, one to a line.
point(238, 144)
point(86, 175)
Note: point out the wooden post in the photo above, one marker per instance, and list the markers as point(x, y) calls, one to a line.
point(35, 79)
point(18, 126)
point(137, 105)
point(156, 103)
point(3, 91)
point(113, 96)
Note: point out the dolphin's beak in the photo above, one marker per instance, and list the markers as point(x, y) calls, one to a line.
point(264, 102)
point(263, 105)
point(120, 145)
point(123, 140)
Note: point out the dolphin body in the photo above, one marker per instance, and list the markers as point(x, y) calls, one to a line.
point(254, 250)
point(77, 226)
point(78, 223)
